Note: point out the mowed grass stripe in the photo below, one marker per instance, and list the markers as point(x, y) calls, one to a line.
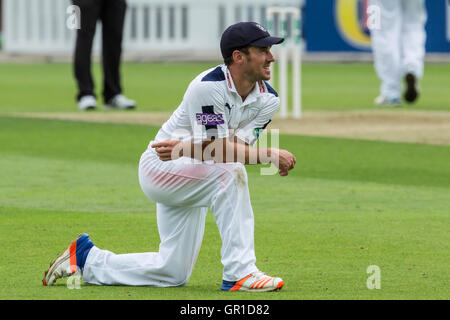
point(321, 256)
point(49, 87)
point(91, 186)
point(326, 158)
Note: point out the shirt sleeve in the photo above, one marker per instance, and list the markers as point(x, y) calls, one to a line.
point(251, 131)
point(204, 104)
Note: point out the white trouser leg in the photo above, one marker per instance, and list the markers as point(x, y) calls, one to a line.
point(234, 217)
point(413, 37)
point(183, 191)
point(386, 45)
point(181, 230)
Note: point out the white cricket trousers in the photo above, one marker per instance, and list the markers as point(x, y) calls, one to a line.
point(183, 191)
point(399, 44)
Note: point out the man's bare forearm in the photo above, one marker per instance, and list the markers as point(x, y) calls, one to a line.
point(223, 150)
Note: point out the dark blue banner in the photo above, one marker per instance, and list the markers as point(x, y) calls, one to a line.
point(339, 25)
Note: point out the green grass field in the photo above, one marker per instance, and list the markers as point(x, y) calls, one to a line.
point(160, 86)
point(347, 205)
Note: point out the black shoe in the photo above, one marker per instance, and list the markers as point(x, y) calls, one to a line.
point(411, 93)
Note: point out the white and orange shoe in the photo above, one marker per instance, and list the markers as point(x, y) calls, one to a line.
point(70, 261)
point(254, 282)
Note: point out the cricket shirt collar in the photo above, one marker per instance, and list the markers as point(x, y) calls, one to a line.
point(259, 89)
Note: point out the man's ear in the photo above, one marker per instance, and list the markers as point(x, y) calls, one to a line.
point(237, 56)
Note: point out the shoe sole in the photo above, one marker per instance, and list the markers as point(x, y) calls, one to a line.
point(89, 108)
point(260, 290)
point(277, 288)
point(411, 93)
point(110, 107)
point(388, 105)
point(56, 263)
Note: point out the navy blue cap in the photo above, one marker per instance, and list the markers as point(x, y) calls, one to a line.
point(245, 34)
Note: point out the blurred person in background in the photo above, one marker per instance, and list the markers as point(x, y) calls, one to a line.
point(399, 49)
point(112, 15)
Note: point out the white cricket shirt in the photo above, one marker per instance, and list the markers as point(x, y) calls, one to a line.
point(212, 107)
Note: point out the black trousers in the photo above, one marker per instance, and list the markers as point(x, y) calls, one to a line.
point(112, 15)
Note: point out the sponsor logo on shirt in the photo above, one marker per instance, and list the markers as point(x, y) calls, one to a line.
point(209, 119)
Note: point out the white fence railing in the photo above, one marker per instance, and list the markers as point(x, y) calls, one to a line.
point(151, 26)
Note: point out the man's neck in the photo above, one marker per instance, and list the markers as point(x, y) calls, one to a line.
point(242, 84)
